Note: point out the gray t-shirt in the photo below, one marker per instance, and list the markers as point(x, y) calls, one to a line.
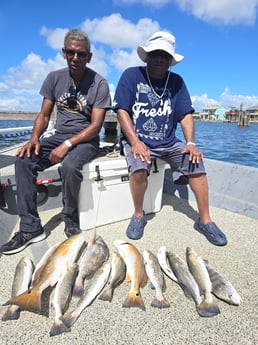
point(92, 92)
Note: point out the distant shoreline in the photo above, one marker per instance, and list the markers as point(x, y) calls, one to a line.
point(18, 115)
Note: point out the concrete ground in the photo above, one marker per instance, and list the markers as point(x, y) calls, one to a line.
point(105, 323)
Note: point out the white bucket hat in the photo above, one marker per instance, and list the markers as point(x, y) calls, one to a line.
point(161, 40)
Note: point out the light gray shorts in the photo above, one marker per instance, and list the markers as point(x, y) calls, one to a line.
point(180, 165)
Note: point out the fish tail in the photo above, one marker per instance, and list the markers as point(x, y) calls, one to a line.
point(58, 327)
point(78, 290)
point(69, 319)
point(29, 300)
point(161, 304)
point(134, 300)
point(107, 295)
point(11, 314)
point(207, 308)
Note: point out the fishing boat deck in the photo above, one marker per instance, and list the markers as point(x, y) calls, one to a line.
point(110, 323)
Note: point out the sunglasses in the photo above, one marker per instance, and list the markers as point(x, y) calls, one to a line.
point(71, 100)
point(71, 53)
point(159, 53)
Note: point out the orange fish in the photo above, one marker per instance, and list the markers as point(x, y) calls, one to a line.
point(65, 254)
point(135, 273)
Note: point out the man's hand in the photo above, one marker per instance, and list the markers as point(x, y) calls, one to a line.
point(27, 148)
point(142, 151)
point(57, 155)
point(194, 153)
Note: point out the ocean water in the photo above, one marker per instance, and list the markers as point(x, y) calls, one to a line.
point(217, 140)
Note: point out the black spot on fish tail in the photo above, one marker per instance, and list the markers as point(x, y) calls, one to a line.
point(134, 300)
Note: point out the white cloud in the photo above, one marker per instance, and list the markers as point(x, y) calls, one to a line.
point(20, 87)
point(223, 11)
point(55, 38)
point(236, 100)
point(122, 59)
point(113, 49)
point(226, 99)
point(217, 11)
point(116, 31)
point(31, 72)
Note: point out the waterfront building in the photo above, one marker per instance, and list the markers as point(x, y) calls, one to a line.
point(252, 113)
point(213, 113)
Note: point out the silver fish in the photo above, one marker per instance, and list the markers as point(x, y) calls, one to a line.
point(157, 279)
point(164, 264)
point(221, 287)
point(61, 299)
point(98, 282)
point(93, 256)
point(199, 271)
point(21, 283)
point(117, 276)
point(184, 278)
point(52, 270)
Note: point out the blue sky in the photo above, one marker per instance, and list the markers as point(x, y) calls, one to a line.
point(219, 40)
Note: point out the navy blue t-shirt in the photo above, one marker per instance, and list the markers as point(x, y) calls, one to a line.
point(154, 118)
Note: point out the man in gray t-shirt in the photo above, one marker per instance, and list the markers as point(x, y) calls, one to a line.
point(81, 97)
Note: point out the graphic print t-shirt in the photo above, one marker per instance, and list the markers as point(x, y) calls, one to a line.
point(92, 92)
point(154, 119)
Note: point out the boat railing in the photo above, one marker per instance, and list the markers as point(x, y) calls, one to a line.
point(16, 130)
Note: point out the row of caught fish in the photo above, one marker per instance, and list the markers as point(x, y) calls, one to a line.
point(77, 268)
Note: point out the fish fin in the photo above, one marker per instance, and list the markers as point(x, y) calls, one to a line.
point(207, 308)
point(134, 300)
point(186, 291)
point(68, 319)
point(29, 300)
point(128, 277)
point(164, 285)
point(78, 289)
point(144, 280)
point(11, 314)
point(107, 294)
point(93, 238)
point(58, 328)
point(161, 304)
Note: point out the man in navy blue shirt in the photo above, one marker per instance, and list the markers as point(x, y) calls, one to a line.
point(150, 101)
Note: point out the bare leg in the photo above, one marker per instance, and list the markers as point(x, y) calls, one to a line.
point(199, 186)
point(138, 186)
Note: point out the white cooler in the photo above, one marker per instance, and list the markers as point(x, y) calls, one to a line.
point(105, 195)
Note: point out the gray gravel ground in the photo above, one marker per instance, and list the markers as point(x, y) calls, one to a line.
point(111, 324)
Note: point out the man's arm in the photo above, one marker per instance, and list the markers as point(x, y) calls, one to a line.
point(40, 124)
point(138, 147)
point(87, 134)
point(187, 125)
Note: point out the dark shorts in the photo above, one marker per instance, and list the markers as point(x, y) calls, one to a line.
point(180, 165)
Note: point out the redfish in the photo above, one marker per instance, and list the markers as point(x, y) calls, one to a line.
point(135, 273)
point(51, 271)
